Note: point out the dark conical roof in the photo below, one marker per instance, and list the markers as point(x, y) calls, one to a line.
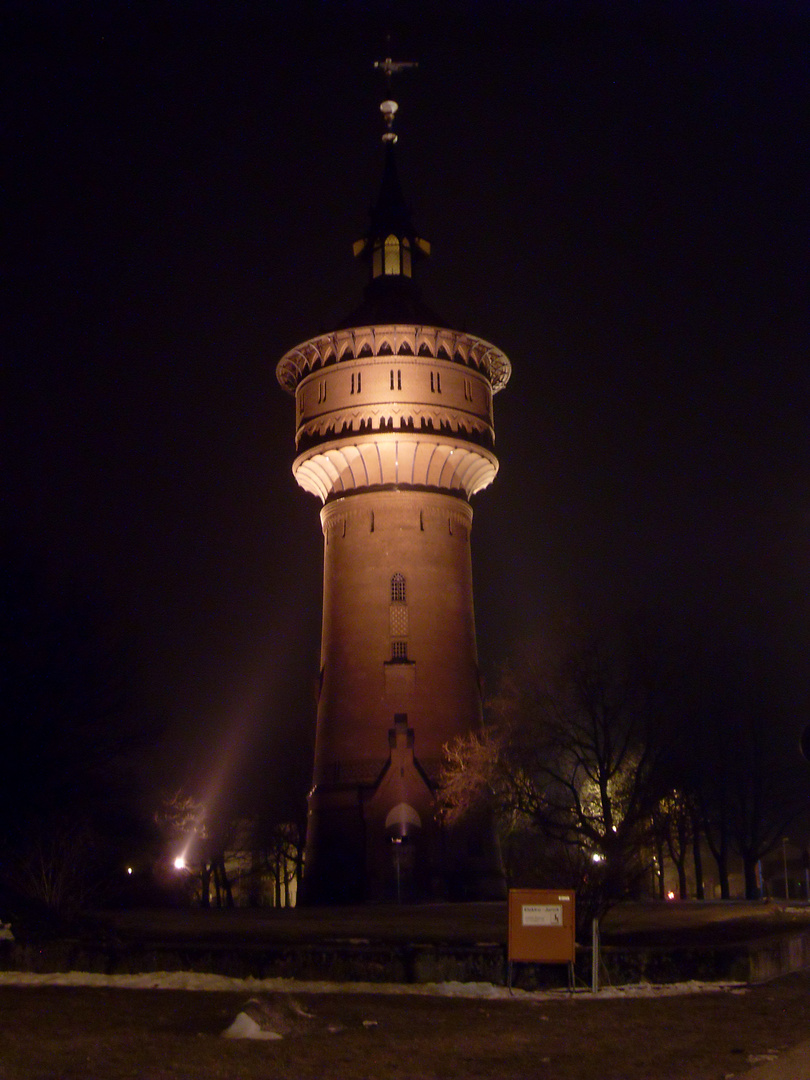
point(391, 246)
point(391, 214)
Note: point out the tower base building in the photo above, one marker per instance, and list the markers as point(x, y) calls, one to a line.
point(394, 435)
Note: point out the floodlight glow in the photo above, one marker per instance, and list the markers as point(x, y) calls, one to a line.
point(180, 862)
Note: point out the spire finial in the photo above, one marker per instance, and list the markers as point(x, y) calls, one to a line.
point(388, 108)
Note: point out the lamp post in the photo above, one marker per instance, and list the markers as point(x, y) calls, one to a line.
point(784, 865)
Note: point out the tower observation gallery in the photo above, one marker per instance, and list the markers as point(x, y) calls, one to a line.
point(394, 434)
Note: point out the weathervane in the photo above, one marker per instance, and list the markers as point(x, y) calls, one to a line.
point(390, 67)
point(388, 108)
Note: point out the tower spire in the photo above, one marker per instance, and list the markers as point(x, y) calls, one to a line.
point(391, 244)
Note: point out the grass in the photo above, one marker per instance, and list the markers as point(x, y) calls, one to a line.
point(66, 1033)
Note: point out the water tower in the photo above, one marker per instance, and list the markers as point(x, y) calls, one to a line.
point(394, 435)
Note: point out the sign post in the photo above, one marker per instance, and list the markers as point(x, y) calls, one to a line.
point(542, 927)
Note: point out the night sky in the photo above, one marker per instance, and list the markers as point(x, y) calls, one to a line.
point(616, 195)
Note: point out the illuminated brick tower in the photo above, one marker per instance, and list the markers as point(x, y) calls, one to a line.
point(394, 433)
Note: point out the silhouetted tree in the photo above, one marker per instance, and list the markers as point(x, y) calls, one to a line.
point(673, 825)
point(569, 746)
point(282, 849)
point(733, 749)
point(203, 840)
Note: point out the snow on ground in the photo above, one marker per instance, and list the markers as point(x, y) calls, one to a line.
point(191, 980)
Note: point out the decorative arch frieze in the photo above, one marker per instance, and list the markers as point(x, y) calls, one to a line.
point(405, 414)
point(372, 341)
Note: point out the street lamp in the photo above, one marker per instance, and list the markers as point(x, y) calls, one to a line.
point(784, 865)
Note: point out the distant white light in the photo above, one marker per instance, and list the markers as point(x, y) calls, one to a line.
point(596, 857)
point(180, 862)
point(670, 895)
point(129, 869)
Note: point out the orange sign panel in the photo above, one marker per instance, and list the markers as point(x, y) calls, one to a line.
point(542, 925)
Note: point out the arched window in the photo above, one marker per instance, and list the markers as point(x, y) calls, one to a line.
point(391, 263)
point(397, 589)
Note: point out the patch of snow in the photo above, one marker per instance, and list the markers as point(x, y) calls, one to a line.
point(761, 1059)
point(193, 980)
point(245, 1027)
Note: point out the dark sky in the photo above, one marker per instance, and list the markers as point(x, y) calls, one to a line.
point(616, 196)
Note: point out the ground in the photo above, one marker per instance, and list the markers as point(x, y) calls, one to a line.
point(50, 1032)
point(106, 1034)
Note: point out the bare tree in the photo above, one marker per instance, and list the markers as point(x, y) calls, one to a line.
point(282, 849)
point(673, 825)
point(569, 748)
point(738, 759)
point(186, 823)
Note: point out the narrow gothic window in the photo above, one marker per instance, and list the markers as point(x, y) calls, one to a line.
point(391, 265)
point(392, 379)
point(397, 589)
point(399, 650)
point(432, 384)
point(399, 380)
